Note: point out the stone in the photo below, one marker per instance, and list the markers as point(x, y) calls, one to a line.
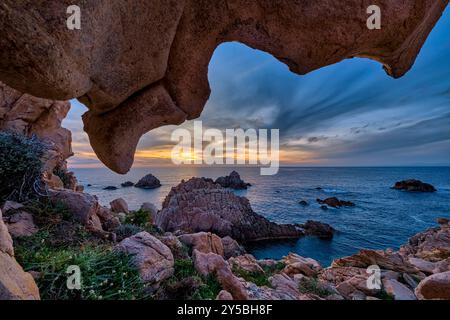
point(201, 205)
point(204, 242)
point(233, 181)
point(153, 259)
point(398, 290)
point(385, 260)
point(175, 245)
point(15, 284)
point(212, 264)
point(245, 262)
point(335, 202)
point(148, 182)
point(119, 205)
point(110, 188)
point(151, 209)
point(303, 203)
point(11, 206)
point(231, 248)
point(127, 184)
point(21, 224)
point(224, 295)
point(422, 265)
point(292, 259)
point(324, 207)
point(155, 72)
point(319, 229)
point(108, 220)
point(413, 185)
point(84, 207)
point(31, 116)
point(434, 287)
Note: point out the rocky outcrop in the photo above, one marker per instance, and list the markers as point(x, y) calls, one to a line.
point(335, 202)
point(148, 182)
point(31, 116)
point(201, 205)
point(413, 185)
point(212, 264)
point(204, 242)
point(119, 205)
point(153, 259)
point(148, 66)
point(233, 181)
point(21, 224)
point(435, 287)
point(15, 284)
point(318, 229)
point(231, 248)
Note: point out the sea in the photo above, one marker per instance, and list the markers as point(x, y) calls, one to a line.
point(382, 218)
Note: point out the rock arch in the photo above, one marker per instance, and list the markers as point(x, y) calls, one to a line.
point(143, 65)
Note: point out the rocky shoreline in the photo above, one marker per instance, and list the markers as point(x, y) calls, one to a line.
point(200, 233)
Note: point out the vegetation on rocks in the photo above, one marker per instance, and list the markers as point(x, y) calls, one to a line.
point(20, 167)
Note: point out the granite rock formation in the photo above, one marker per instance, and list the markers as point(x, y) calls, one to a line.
point(142, 65)
point(413, 185)
point(30, 116)
point(199, 204)
point(233, 181)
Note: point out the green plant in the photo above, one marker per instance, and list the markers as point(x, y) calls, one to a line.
point(311, 285)
point(48, 213)
point(20, 166)
point(259, 278)
point(105, 274)
point(139, 218)
point(186, 283)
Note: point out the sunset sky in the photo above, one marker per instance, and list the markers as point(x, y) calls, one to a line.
point(348, 114)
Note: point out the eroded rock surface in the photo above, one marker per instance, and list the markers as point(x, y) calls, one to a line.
point(142, 65)
point(201, 205)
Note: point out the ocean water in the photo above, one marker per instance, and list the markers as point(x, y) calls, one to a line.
point(382, 218)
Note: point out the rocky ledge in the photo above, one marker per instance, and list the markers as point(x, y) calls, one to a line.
point(413, 185)
point(335, 202)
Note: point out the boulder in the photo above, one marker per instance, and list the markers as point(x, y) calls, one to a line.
point(153, 259)
point(398, 290)
point(202, 205)
point(175, 245)
point(84, 207)
point(108, 220)
point(296, 264)
point(211, 263)
point(151, 209)
point(233, 181)
point(303, 203)
point(413, 185)
point(119, 205)
point(335, 202)
point(204, 242)
point(110, 188)
point(434, 287)
point(148, 182)
point(127, 184)
point(319, 229)
point(246, 262)
point(15, 284)
point(224, 295)
point(231, 248)
point(11, 206)
point(21, 224)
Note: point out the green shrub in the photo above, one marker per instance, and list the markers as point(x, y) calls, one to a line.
point(105, 274)
point(139, 218)
point(311, 285)
point(20, 166)
point(187, 284)
point(259, 278)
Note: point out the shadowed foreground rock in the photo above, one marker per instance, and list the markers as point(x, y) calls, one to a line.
point(148, 65)
point(201, 205)
point(15, 284)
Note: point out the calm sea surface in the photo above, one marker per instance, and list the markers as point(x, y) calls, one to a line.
point(383, 218)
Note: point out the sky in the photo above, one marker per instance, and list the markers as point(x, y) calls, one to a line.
point(347, 114)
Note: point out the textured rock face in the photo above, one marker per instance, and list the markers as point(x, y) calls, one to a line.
point(204, 242)
point(15, 284)
point(153, 258)
point(233, 181)
point(28, 115)
point(414, 186)
point(143, 65)
point(436, 286)
point(201, 205)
